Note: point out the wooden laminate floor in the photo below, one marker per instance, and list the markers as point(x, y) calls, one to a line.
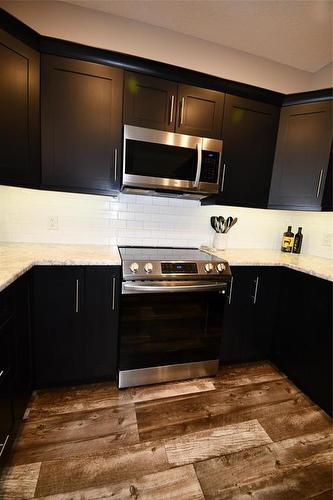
point(248, 433)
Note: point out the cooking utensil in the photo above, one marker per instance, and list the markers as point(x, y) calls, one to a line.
point(221, 223)
point(232, 224)
point(212, 222)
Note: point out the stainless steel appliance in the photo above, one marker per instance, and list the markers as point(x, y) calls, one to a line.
point(169, 163)
point(171, 314)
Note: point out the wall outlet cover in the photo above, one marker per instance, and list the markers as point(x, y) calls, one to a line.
point(53, 223)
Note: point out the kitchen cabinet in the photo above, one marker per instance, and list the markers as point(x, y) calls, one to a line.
point(302, 156)
point(75, 323)
point(327, 200)
point(165, 105)
point(303, 336)
point(22, 379)
point(102, 289)
point(81, 119)
point(249, 136)
point(19, 111)
point(249, 315)
point(58, 324)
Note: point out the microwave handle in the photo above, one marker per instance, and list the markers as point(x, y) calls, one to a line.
point(199, 163)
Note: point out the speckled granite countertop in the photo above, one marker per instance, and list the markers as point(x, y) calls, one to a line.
point(316, 266)
point(17, 258)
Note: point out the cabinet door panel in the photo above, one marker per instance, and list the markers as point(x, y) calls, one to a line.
point(19, 111)
point(200, 111)
point(302, 155)
point(303, 338)
point(102, 288)
point(237, 316)
point(58, 328)
point(249, 136)
point(81, 123)
point(150, 102)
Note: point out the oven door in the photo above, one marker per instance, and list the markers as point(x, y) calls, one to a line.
point(154, 159)
point(168, 332)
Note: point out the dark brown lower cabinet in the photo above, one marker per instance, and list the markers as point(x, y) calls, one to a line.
point(75, 323)
point(15, 361)
point(250, 314)
point(303, 337)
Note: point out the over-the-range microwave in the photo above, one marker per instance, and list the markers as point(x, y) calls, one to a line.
point(170, 164)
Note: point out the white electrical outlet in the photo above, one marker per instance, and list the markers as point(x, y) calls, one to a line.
point(53, 224)
point(327, 240)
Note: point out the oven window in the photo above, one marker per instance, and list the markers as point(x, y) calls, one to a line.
point(165, 329)
point(159, 160)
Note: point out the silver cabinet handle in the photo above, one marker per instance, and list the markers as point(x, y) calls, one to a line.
point(182, 108)
point(115, 163)
point(113, 293)
point(172, 107)
point(2, 373)
point(3, 445)
point(223, 176)
point(77, 286)
point(230, 291)
point(319, 182)
point(256, 281)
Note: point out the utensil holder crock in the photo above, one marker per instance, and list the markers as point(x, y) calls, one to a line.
point(220, 241)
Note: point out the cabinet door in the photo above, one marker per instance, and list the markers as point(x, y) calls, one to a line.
point(199, 112)
point(22, 384)
point(249, 136)
point(150, 102)
point(264, 296)
point(19, 111)
point(302, 155)
point(102, 289)
point(58, 326)
point(303, 337)
point(81, 124)
point(237, 315)
point(6, 375)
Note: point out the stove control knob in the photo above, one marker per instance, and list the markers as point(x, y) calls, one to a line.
point(209, 267)
point(134, 267)
point(148, 267)
point(220, 267)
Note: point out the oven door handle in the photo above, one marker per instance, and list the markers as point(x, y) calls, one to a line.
point(172, 287)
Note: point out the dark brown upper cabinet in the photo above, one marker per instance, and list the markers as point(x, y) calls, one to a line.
point(19, 111)
point(302, 156)
point(199, 111)
point(249, 136)
point(149, 102)
point(81, 125)
point(161, 104)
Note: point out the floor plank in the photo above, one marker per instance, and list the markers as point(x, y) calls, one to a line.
point(300, 422)
point(60, 476)
point(19, 482)
point(231, 416)
point(210, 404)
point(180, 483)
point(243, 472)
point(212, 443)
point(107, 395)
point(76, 434)
point(249, 373)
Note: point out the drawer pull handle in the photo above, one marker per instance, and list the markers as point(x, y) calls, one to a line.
point(3, 445)
point(77, 287)
point(113, 293)
point(256, 281)
point(319, 183)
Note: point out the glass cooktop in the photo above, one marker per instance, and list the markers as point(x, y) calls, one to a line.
point(167, 254)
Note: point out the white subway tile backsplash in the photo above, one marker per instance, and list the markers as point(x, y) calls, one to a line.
point(145, 220)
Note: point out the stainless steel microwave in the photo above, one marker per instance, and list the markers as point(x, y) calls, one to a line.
point(169, 163)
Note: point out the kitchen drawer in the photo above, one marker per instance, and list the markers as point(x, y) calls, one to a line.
point(6, 305)
point(6, 347)
point(6, 413)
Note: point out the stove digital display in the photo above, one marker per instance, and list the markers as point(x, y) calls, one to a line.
point(179, 267)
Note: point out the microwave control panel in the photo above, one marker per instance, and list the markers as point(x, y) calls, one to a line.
point(210, 166)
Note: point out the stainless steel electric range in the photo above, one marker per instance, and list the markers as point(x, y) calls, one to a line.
point(171, 314)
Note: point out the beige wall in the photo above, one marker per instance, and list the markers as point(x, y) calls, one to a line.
point(98, 29)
